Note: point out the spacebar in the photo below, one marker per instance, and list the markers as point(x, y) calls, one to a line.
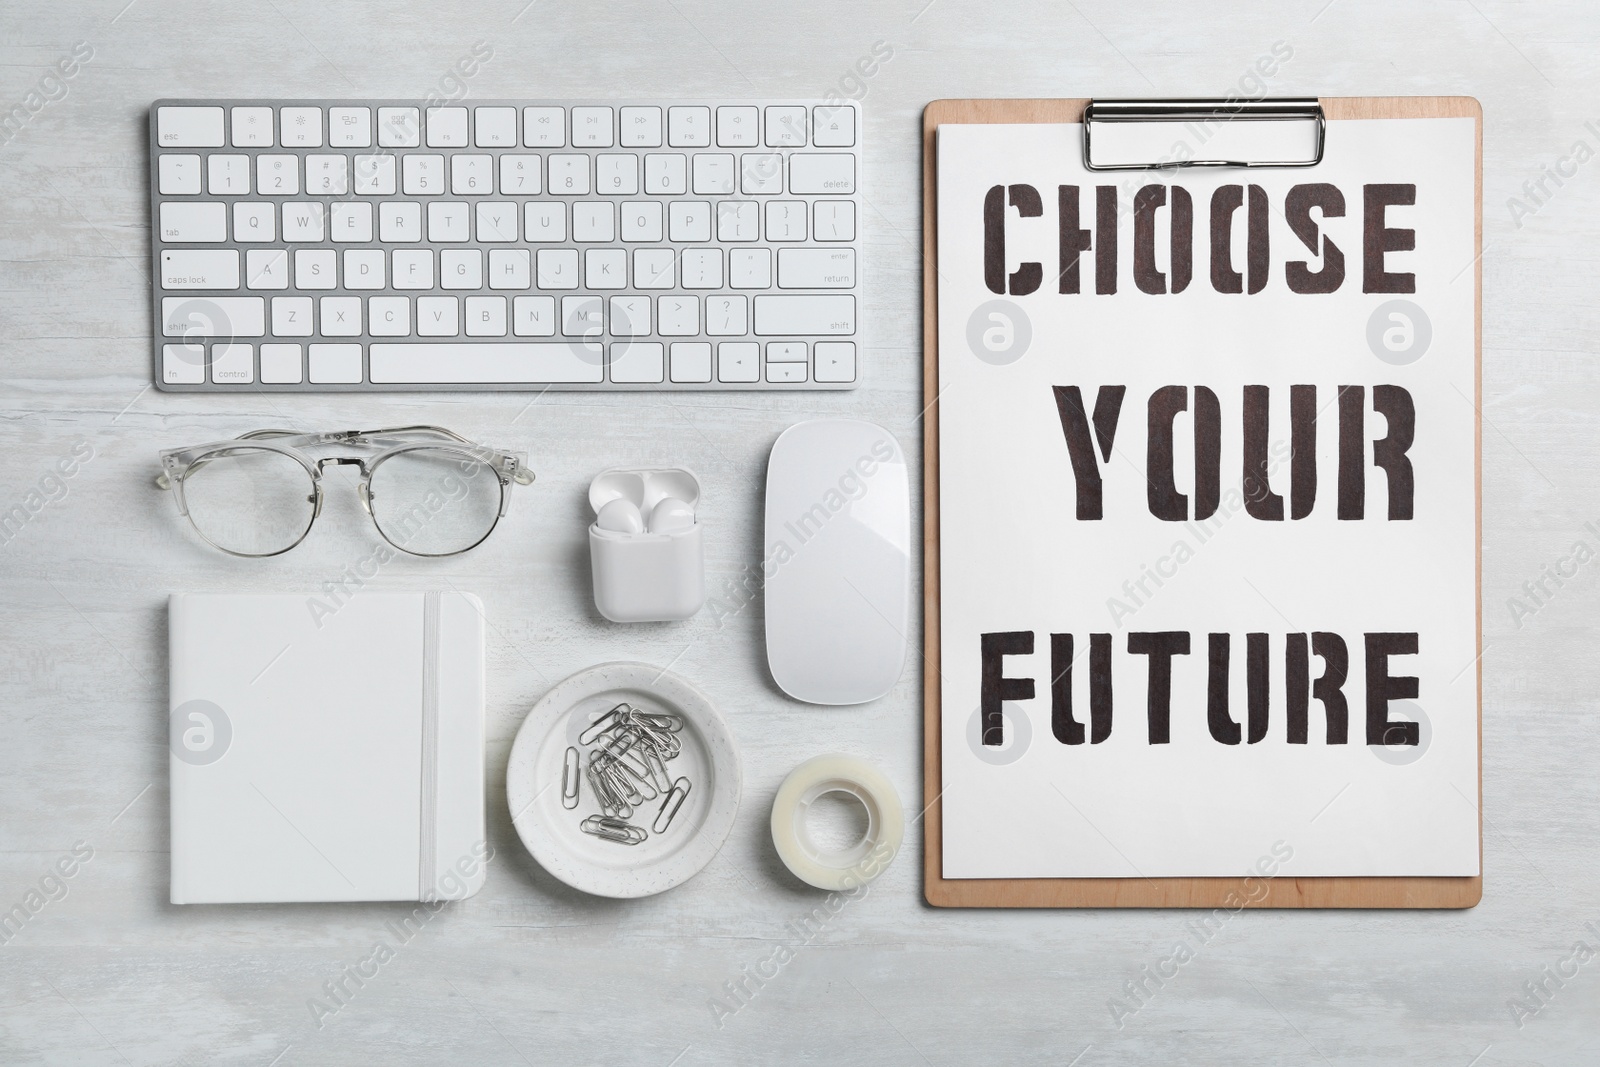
point(481, 362)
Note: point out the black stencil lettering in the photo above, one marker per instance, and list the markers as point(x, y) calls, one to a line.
point(1379, 238)
point(1161, 491)
point(1329, 689)
point(1026, 278)
point(1352, 452)
point(1105, 238)
point(996, 687)
point(1221, 724)
point(1259, 499)
point(1160, 646)
point(1224, 202)
point(1382, 688)
point(1303, 449)
point(1073, 241)
point(1257, 254)
point(1297, 208)
point(1207, 452)
point(1075, 428)
point(1257, 685)
point(1394, 404)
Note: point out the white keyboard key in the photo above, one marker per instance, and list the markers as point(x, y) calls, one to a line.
point(833, 220)
point(413, 268)
point(315, 268)
point(569, 174)
point(303, 220)
point(495, 127)
point(228, 175)
point(533, 316)
point(341, 316)
point(677, 315)
point(592, 127)
point(816, 268)
point(760, 173)
point(233, 363)
point(399, 127)
point(213, 316)
point(421, 175)
point(787, 373)
point(666, 173)
point(605, 268)
point(799, 316)
point(702, 268)
point(301, 127)
point(178, 175)
point(616, 175)
point(510, 268)
point(655, 268)
point(183, 364)
point(834, 126)
point(460, 268)
point(641, 127)
point(544, 222)
point(630, 316)
point(446, 127)
point(363, 268)
point(835, 361)
point(336, 364)
point(738, 127)
point(520, 175)
point(750, 268)
point(786, 351)
point(738, 220)
point(738, 361)
point(637, 362)
point(822, 172)
point(689, 127)
point(252, 128)
point(544, 127)
point(691, 361)
point(350, 127)
point(448, 221)
point(727, 316)
point(689, 220)
point(786, 220)
point(266, 268)
point(641, 220)
point(193, 268)
point(487, 362)
point(399, 222)
point(352, 222)
point(557, 268)
point(594, 221)
point(436, 316)
point(189, 222)
point(374, 175)
point(278, 175)
point(291, 316)
point(389, 316)
point(471, 175)
point(281, 365)
point(786, 127)
point(713, 173)
point(327, 175)
point(497, 221)
point(189, 127)
point(582, 316)
point(254, 222)
point(486, 316)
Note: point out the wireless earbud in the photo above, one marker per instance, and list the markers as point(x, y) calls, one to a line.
point(621, 516)
point(671, 515)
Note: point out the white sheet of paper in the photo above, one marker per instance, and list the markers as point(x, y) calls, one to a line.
point(1015, 557)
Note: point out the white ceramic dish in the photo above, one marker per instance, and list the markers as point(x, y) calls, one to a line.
point(710, 760)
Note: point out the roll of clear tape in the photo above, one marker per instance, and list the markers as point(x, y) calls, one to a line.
point(861, 862)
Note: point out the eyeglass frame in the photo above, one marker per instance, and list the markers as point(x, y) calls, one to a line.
point(508, 467)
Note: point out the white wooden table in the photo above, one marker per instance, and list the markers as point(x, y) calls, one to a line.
point(529, 972)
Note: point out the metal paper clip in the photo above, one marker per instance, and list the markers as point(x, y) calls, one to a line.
point(670, 806)
point(605, 722)
point(571, 772)
point(609, 829)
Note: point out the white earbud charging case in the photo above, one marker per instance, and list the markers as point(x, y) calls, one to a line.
point(646, 577)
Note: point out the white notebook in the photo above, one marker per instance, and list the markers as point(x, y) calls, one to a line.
point(326, 750)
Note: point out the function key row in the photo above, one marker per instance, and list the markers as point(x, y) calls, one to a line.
point(491, 126)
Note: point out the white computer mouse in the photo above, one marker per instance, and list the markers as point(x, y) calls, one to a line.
point(837, 563)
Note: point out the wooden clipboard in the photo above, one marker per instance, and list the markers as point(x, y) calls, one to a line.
point(1282, 891)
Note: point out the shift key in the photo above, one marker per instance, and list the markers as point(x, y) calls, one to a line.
point(825, 316)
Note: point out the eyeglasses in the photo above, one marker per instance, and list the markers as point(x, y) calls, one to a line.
point(429, 491)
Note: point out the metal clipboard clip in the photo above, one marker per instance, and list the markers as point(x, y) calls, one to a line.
point(1153, 134)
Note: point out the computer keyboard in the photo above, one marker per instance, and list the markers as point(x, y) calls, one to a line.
point(389, 245)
